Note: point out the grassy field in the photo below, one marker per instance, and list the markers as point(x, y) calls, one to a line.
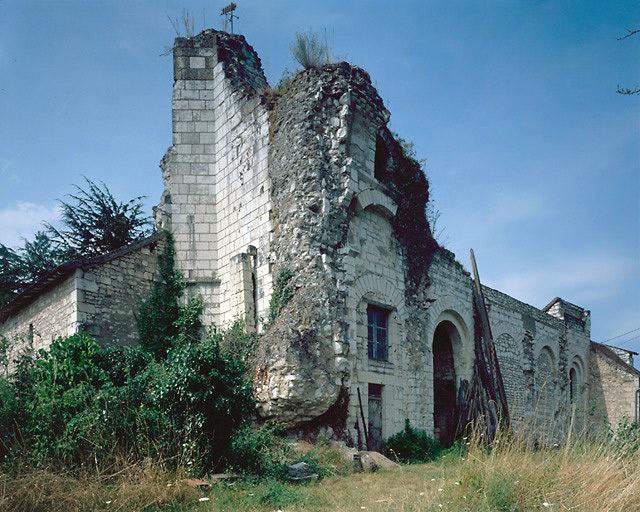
point(509, 478)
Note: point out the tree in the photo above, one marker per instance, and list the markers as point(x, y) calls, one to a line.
point(626, 90)
point(11, 279)
point(96, 223)
point(39, 256)
point(93, 223)
point(26, 265)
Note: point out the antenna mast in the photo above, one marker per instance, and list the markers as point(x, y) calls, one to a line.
point(228, 13)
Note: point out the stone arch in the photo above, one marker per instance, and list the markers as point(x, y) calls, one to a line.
point(445, 308)
point(382, 290)
point(447, 341)
point(376, 200)
point(576, 383)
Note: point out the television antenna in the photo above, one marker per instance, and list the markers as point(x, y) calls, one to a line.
point(228, 12)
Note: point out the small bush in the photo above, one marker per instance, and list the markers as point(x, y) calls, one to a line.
point(309, 51)
point(626, 438)
point(282, 293)
point(502, 493)
point(412, 446)
point(261, 451)
point(278, 494)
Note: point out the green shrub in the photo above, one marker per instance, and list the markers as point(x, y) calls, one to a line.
point(205, 395)
point(412, 446)
point(236, 340)
point(502, 493)
point(626, 438)
point(282, 293)
point(77, 404)
point(157, 316)
point(261, 451)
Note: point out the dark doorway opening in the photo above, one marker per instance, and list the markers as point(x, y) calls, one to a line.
point(444, 383)
point(375, 417)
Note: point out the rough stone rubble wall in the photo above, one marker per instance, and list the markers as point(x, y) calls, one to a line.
point(110, 294)
point(53, 314)
point(339, 229)
point(612, 393)
point(343, 234)
point(216, 198)
point(301, 363)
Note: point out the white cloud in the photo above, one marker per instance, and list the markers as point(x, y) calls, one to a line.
point(23, 219)
point(7, 171)
point(581, 278)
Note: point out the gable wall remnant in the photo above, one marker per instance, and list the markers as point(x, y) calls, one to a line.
point(51, 315)
point(611, 384)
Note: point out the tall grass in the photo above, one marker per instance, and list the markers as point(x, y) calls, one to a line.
point(510, 477)
point(310, 51)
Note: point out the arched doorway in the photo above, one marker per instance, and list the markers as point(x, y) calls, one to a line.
point(444, 382)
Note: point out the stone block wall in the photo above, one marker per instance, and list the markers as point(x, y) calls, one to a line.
point(51, 315)
point(109, 294)
point(613, 387)
point(100, 295)
point(216, 197)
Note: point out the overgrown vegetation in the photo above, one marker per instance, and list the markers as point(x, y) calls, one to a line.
point(510, 477)
point(282, 293)
point(310, 51)
point(159, 317)
point(412, 445)
point(176, 399)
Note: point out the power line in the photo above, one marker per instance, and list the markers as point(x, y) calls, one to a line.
point(621, 335)
point(626, 342)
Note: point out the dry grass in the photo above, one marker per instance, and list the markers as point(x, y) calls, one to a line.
point(511, 477)
point(136, 487)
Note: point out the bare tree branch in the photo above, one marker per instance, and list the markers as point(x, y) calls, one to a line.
point(630, 32)
point(628, 92)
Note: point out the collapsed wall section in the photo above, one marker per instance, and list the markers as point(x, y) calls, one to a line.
point(348, 234)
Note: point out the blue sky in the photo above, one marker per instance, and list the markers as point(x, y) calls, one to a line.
point(533, 158)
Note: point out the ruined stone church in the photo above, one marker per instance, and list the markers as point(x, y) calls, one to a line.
point(306, 181)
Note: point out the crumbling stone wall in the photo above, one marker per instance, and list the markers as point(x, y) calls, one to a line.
point(309, 179)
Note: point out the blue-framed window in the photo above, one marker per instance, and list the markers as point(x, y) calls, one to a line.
point(378, 332)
